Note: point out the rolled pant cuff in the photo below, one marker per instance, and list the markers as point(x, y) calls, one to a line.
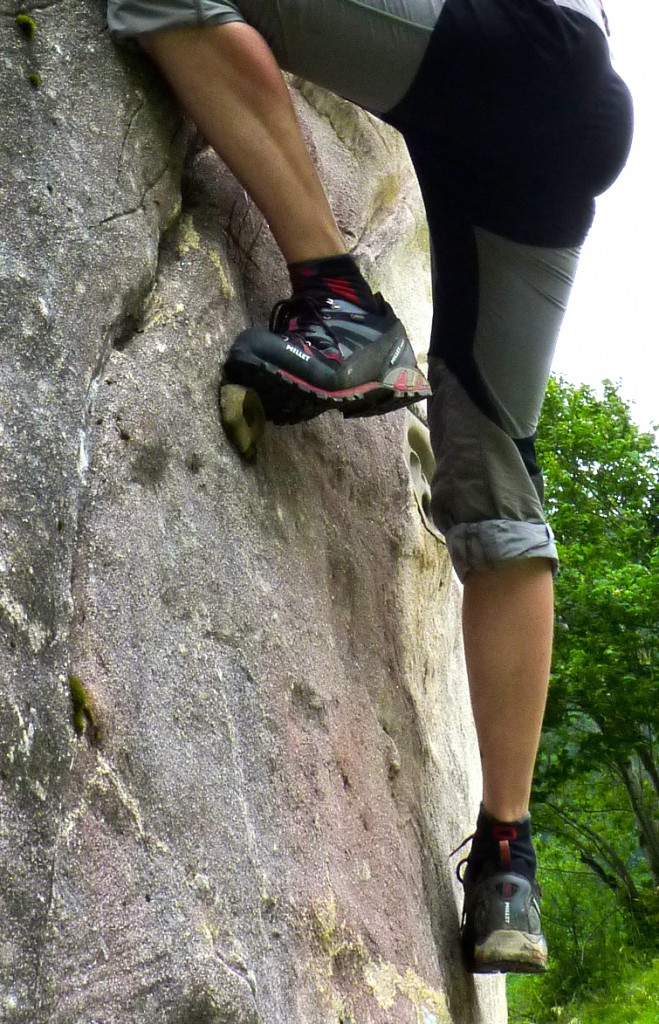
point(497, 541)
point(130, 18)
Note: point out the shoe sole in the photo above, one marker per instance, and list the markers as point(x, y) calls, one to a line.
point(288, 399)
point(510, 952)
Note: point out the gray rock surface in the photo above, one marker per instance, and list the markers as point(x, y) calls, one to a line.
point(235, 750)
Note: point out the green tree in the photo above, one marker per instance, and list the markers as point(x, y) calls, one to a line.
point(596, 797)
point(598, 766)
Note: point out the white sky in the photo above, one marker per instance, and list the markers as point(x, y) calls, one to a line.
point(611, 329)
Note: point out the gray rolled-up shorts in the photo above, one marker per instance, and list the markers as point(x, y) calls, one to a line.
point(128, 18)
point(487, 492)
point(367, 51)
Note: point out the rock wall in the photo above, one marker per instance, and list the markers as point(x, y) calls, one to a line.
point(235, 748)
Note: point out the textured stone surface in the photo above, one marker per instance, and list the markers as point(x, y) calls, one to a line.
point(245, 815)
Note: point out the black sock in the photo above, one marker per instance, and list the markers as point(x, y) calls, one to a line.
point(335, 276)
point(518, 851)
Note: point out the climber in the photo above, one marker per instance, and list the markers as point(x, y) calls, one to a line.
point(514, 120)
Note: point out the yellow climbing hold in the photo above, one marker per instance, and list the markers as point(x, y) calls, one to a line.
point(243, 418)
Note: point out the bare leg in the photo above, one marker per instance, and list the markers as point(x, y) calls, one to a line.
point(230, 83)
point(508, 625)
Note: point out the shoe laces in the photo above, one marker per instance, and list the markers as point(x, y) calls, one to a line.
point(461, 870)
point(462, 863)
point(298, 315)
point(504, 855)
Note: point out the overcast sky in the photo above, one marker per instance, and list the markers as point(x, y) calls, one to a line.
point(611, 329)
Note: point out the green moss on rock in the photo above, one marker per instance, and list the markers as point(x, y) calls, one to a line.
point(27, 25)
point(84, 719)
point(344, 948)
point(387, 192)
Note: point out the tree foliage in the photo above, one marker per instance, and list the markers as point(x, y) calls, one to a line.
point(596, 797)
point(602, 723)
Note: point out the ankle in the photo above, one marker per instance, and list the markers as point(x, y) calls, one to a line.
point(502, 845)
point(504, 811)
point(337, 277)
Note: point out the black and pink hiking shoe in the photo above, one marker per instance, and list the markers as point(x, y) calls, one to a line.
point(501, 929)
point(327, 354)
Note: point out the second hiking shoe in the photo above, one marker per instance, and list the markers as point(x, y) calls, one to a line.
point(329, 354)
point(501, 930)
